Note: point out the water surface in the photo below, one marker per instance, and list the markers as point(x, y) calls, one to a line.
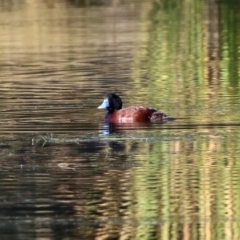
point(67, 175)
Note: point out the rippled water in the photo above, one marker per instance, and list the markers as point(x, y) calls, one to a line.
point(64, 174)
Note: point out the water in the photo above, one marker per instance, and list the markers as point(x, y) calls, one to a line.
point(64, 174)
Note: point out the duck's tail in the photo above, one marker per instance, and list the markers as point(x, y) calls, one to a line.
point(169, 118)
point(160, 117)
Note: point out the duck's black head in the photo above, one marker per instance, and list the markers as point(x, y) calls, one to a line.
point(111, 102)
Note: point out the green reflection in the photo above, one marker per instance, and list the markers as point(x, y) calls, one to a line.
point(191, 57)
point(174, 51)
point(230, 42)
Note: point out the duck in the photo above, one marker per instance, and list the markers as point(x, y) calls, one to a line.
point(133, 114)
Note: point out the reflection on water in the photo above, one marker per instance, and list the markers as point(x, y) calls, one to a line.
point(66, 175)
point(129, 182)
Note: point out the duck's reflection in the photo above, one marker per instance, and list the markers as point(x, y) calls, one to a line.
point(106, 129)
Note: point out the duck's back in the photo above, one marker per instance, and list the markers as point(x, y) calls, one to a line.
point(131, 115)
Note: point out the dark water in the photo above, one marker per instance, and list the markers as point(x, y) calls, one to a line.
point(64, 174)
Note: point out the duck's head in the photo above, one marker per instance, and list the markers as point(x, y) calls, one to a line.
point(111, 102)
